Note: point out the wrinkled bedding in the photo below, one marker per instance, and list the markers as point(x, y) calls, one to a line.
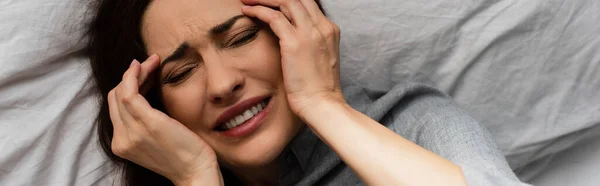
point(47, 136)
point(528, 70)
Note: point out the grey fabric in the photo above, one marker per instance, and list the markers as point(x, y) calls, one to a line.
point(416, 112)
point(527, 70)
point(578, 164)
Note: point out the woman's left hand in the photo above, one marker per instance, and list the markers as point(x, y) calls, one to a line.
point(310, 62)
point(309, 45)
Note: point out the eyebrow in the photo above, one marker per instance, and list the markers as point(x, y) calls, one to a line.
point(177, 54)
point(223, 27)
point(216, 30)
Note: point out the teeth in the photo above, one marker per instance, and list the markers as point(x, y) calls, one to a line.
point(239, 119)
point(246, 115)
point(229, 125)
point(254, 110)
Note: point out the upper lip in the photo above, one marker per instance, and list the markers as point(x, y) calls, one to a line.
point(238, 109)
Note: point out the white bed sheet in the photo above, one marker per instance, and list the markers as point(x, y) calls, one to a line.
point(47, 136)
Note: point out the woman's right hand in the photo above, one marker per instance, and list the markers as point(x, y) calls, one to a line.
point(150, 138)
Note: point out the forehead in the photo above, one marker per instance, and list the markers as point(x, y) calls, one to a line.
point(167, 23)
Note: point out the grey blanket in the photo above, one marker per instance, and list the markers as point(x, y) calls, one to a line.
point(529, 70)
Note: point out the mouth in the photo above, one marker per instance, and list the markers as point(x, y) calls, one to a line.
point(244, 117)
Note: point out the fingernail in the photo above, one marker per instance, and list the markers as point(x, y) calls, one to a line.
point(133, 62)
point(152, 57)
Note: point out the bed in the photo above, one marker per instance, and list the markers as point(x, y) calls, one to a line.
point(528, 70)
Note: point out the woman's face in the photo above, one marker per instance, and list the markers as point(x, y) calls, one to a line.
point(218, 67)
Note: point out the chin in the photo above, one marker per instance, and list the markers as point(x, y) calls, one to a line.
point(263, 150)
point(257, 157)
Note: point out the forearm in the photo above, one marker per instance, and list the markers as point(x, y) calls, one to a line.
point(376, 154)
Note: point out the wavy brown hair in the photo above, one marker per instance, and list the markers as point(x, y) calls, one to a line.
point(114, 41)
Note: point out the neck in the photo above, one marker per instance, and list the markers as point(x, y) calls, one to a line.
point(263, 175)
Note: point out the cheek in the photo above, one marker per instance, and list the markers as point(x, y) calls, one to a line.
point(185, 103)
point(264, 59)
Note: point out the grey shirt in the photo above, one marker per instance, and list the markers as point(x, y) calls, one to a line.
point(416, 112)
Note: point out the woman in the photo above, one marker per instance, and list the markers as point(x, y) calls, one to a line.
point(248, 93)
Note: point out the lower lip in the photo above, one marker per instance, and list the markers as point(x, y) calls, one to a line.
point(249, 126)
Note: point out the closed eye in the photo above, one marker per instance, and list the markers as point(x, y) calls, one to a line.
point(244, 37)
point(179, 75)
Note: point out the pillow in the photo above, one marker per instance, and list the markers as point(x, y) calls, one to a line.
point(47, 109)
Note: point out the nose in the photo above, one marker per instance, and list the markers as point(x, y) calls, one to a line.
point(224, 82)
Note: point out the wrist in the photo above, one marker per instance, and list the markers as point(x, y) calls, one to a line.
point(320, 109)
point(199, 181)
point(208, 178)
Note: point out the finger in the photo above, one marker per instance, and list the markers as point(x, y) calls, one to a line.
point(331, 32)
point(321, 22)
point(150, 120)
point(126, 90)
point(113, 111)
point(138, 108)
point(119, 128)
point(269, 3)
point(129, 83)
point(336, 39)
point(147, 86)
point(276, 20)
point(148, 68)
point(297, 13)
point(338, 33)
point(132, 109)
point(275, 5)
point(134, 105)
point(313, 11)
point(126, 118)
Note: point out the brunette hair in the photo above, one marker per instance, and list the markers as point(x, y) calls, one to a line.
point(114, 41)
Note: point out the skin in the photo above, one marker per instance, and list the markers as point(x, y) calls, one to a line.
point(222, 77)
point(304, 82)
